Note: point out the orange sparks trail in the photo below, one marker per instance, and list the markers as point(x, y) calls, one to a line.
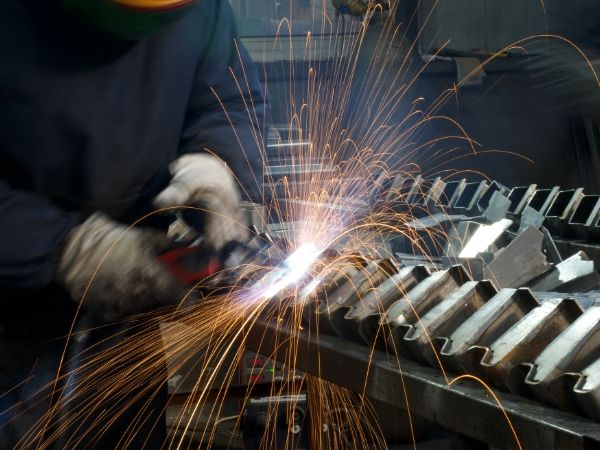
point(355, 145)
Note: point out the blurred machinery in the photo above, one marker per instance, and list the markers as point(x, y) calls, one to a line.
point(290, 431)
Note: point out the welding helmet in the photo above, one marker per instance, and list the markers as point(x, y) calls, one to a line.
point(129, 19)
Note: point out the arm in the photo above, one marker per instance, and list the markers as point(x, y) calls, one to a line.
point(32, 233)
point(226, 110)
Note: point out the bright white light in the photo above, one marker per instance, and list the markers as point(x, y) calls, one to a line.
point(292, 270)
point(485, 236)
point(309, 288)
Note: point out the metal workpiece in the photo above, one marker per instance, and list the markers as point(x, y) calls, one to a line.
point(390, 290)
point(479, 239)
point(587, 211)
point(466, 346)
point(470, 195)
point(581, 222)
point(425, 192)
point(415, 193)
point(326, 283)
point(458, 237)
point(519, 262)
point(519, 197)
point(567, 213)
point(497, 208)
point(427, 235)
point(587, 390)
point(434, 193)
point(574, 350)
point(255, 265)
point(486, 197)
point(352, 291)
point(316, 293)
point(418, 301)
point(542, 199)
point(463, 407)
point(564, 203)
point(550, 248)
point(530, 217)
point(451, 192)
point(574, 273)
point(525, 340)
point(561, 209)
point(338, 287)
point(364, 316)
point(444, 318)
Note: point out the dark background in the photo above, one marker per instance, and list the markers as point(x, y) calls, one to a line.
point(537, 110)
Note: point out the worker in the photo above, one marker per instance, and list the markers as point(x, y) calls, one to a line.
point(110, 109)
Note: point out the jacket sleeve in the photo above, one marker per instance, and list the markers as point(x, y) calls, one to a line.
point(32, 232)
point(226, 109)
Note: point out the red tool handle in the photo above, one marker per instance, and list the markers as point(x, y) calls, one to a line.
point(191, 265)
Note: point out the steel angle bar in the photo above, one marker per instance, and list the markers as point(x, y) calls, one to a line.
point(470, 195)
point(561, 209)
point(451, 192)
point(316, 293)
point(444, 318)
point(587, 211)
point(331, 315)
point(587, 390)
point(571, 352)
point(419, 300)
point(497, 208)
point(364, 316)
point(564, 203)
point(434, 193)
point(518, 262)
point(484, 201)
point(584, 217)
point(519, 197)
point(525, 340)
point(530, 217)
point(460, 235)
point(465, 407)
point(464, 349)
point(395, 186)
point(565, 274)
point(542, 199)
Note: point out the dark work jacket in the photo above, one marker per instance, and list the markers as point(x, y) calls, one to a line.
point(90, 123)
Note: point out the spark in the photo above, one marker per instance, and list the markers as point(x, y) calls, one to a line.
point(360, 152)
point(292, 270)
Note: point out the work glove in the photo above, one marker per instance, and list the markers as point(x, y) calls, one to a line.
point(121, 264)
point(205, 181)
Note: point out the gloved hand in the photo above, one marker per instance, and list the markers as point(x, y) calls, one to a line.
point(126, 275)
point(204, 180)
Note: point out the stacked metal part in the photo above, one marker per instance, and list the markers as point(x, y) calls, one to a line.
point(497, 301)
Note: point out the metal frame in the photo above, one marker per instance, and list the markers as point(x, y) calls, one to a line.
point(464, 407)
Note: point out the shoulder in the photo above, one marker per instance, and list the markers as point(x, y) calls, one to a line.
point(208, 22)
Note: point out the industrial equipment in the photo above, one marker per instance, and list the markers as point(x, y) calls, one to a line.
point(497, 301)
